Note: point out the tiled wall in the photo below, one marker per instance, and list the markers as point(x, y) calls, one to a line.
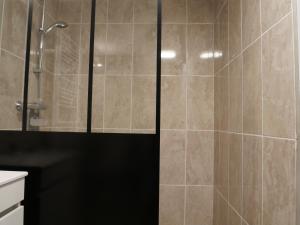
point(187, 114)
point(255, 113)
point(13, 17)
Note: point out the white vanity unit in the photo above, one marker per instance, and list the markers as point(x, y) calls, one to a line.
point(12, 186)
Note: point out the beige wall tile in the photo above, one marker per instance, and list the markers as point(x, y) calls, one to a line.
point(235, 114)
point(145, 11)
point(172, 157)
point(51, 7)
point(173, 102)
point(224, 99)
point(69, 11)
point(120, 11)
point(235, 171)
point(101, 11)
point(221, 38)
point(252, 180)
point(199, 205)
point(200, 42)
point(273, 10)
point(233, 218)
point(68, 50)
point(82, 101)
point(200, 158)
point(117, 102)
point(235, 28)
point(252, 93)
point(216, 158)
point(144, 49)
point(251, 21)
point(143, 102)
point(65, 101)
point(98, 102)
point(171, 205)
point(201, 103)
point(11, 90)
point(14, 27)
point(220, 210)
point(217, 100)
point(223, 167)
point(174, 39)
point(279, 81)
point(99, 49)
point(119, 49)
point(279, 182)
point(174, 11)
point(201, 11)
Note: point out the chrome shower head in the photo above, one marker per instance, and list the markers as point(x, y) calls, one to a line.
point(59, 24)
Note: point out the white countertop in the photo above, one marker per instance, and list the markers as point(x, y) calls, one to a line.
point(10, 176)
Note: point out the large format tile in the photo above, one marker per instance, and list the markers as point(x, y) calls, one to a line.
point(144, 50)
point(199, 205)
point(235, 171)
point(171, 205)
point(200, 11)
point(252, 93)
point(279, 81)
point(120, 11)
point(200, 103)
point(69, 11)
point(173, 102)
point(14, 27)
point(273, 10)
point(172, 157)
point(119, 49)
point(174, 40)
point(174, 11)
point(235, 111)
point(252, 180)
point(101, 11)
point(98, 102)
point(11, 86)
point(200, 43)
point(235, 28)
point(99, 49)
point(251, 21)
point(117, 102)
point(223, 165)
point(143, 102)
point(200, 158)
point(221, 42)
point(279, 193)
point(145, 11)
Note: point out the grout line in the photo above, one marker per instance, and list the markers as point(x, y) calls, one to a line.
point(262, 111)
point(12, 54)
point(256, 135)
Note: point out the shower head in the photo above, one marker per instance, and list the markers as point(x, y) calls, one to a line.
point(59, 24)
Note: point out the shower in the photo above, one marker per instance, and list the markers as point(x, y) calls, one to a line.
point(35, 107)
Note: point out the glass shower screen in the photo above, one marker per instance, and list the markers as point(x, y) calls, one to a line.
point(124, 66)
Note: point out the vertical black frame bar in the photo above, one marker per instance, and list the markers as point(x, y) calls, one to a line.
point(27, 66)
point(158, 65)
point(158, 102)
point(91, 68)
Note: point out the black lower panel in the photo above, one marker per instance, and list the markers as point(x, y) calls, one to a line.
point(86, 179)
